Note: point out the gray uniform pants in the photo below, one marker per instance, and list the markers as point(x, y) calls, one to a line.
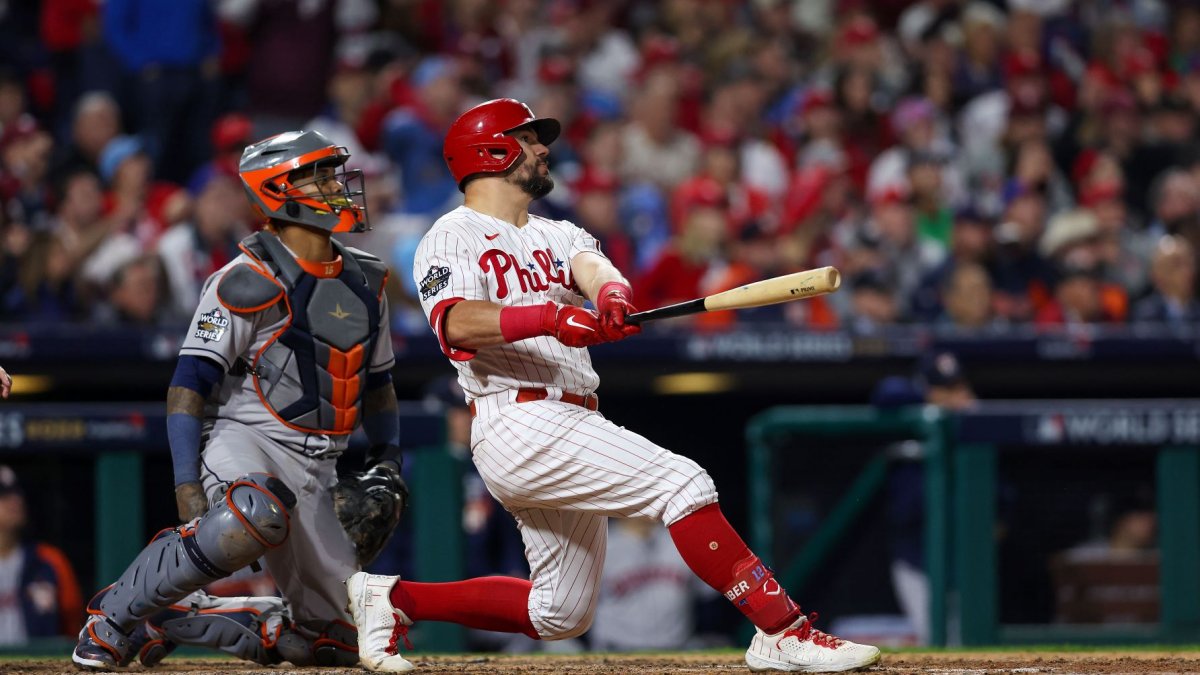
point(317, 556)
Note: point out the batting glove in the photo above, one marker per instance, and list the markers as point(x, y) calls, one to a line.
point(613, 303)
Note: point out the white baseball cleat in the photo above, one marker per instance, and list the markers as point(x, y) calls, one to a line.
point(802, 648)
point(380, 625)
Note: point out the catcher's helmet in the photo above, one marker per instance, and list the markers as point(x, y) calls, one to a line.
point(477, 142)
point(267, 169)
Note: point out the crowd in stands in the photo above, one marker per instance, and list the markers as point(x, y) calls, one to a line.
point(976, 164)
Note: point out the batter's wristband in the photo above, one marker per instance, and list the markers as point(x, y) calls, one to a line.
point(527, 321)
point(616, 287)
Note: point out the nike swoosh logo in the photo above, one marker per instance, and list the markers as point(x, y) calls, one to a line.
point(571, 322)
point(490, 237)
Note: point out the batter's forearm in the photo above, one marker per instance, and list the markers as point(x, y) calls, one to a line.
point(472, 324)
point(592, 271)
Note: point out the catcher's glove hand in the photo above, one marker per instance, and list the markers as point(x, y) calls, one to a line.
point(369, 506)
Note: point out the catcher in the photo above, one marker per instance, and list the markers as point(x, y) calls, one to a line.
point(288, 354)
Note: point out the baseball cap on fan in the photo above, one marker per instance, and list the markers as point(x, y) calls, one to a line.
point(9, 484)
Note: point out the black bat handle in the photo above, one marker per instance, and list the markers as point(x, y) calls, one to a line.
point(669, 312)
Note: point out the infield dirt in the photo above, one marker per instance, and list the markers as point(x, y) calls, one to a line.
point(950, 663)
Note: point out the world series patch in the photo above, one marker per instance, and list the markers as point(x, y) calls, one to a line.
point(211, 326)
point(435, 281)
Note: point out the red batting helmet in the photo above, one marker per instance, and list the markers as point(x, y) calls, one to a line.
point(477, 142)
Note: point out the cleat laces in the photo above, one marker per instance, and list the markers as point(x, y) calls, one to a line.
point(399, 631)
point(806, 631)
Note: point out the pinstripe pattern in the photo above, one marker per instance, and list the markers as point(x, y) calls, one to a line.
point(560, 469)
point(458, 241)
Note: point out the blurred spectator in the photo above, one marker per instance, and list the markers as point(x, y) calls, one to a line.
point(230, 135)
point(648, 595)
point(135, 294)
point(71, 32)
point(169, 55)
point(1022, 277)
point(25, 154)
point(192, 250)
point(596, 206)
point(284, 85)
point(873, 301)
point(791, 118)
point(96, 122)
point(1073, 244)
point(654, 149)
point(412, 137)
point(718, 184)
point(137, 204)
point(39, 595)
point(1175, 199)
point(44, 290)
point(967, 299)
point(1173, 273)
point(692, 265)
point(93, 249)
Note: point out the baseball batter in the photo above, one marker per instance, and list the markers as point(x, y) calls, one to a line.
point(288, 354)
point(504, 292)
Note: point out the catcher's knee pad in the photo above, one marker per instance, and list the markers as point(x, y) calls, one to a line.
point(251, 518)
point(246, 627)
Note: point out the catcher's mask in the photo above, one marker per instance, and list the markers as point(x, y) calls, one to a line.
point(281, 172)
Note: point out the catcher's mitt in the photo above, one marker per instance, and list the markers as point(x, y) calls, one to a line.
point(369, 506)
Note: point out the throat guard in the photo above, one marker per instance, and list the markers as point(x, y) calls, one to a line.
point(311, 374)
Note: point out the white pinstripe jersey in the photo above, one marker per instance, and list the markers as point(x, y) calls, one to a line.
point(467, 255)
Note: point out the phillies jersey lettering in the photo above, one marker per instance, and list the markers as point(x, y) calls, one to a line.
point(500, 263)
point(467, 255)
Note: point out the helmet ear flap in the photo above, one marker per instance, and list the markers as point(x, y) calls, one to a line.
point(293, 209)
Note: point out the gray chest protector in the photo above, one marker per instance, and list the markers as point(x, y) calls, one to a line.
point(311, 374)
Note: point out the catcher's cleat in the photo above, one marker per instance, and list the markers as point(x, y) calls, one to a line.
point(101, 646)
point(802, 648)
point(150, 645)
point(380, 625)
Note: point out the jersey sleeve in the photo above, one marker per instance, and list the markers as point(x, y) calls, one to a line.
point(583, 242)
point(446, 273)
point(382, 358)
point(217, 333)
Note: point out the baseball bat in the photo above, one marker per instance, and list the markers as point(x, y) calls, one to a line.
point(795, 286)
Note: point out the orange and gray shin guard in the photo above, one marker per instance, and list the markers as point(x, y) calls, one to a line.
point(251, 518)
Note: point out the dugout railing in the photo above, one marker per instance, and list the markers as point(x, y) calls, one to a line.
point(960, 455)
point(120, 436)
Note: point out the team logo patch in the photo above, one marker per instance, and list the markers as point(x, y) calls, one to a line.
point(435, 281)
point(211, 326)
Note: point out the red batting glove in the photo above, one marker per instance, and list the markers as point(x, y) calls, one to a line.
point(613, 303)
point(575, 327)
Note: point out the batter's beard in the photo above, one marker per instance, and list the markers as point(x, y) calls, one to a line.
point(535, 184)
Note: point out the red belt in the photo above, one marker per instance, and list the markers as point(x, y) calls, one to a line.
point(524, 395)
